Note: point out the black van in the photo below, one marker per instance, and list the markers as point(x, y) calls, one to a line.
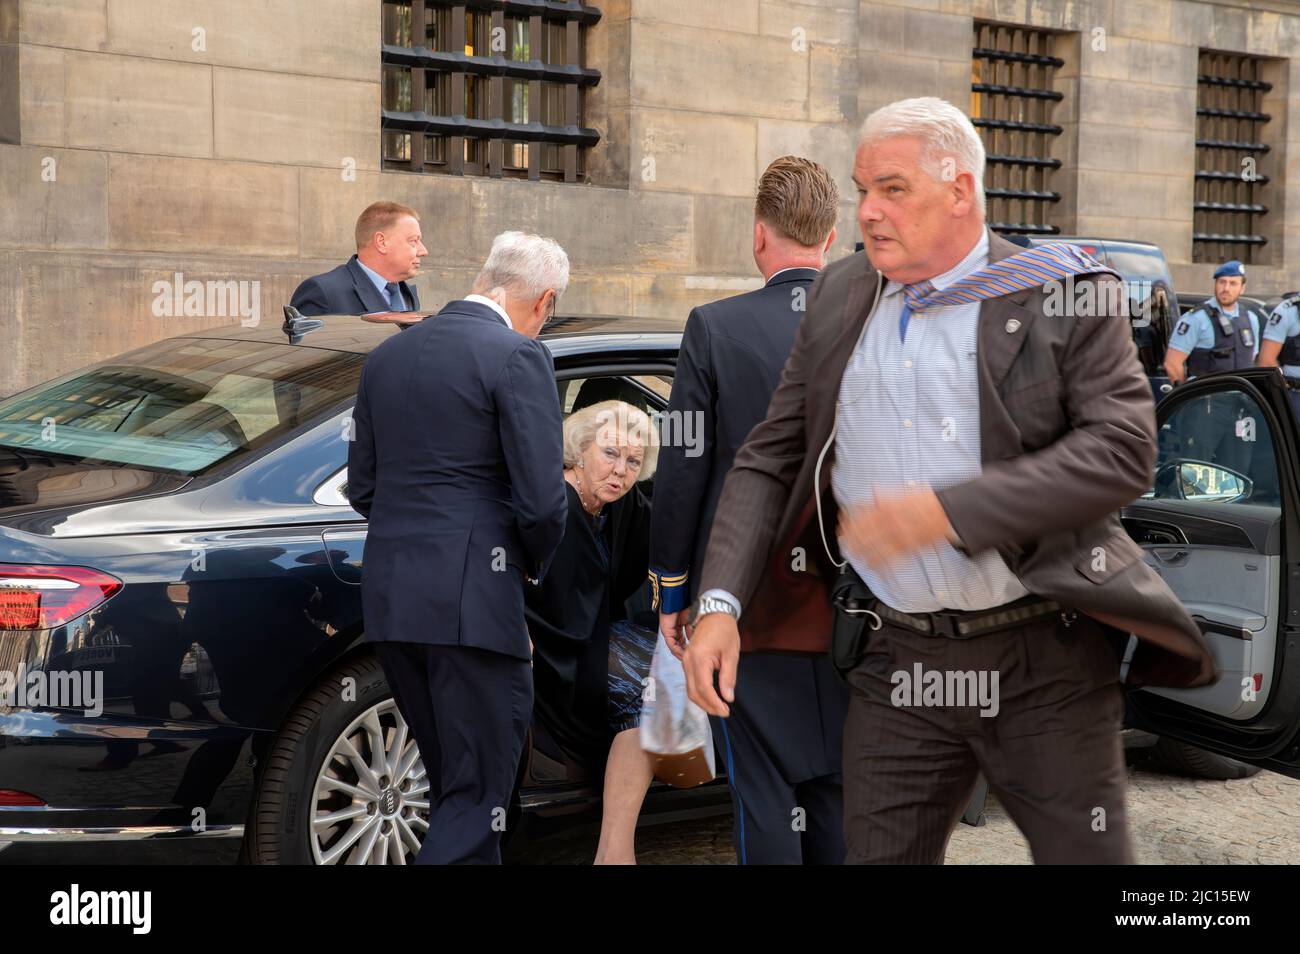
point(1153, 303)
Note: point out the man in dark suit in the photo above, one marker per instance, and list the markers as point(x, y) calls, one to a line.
point(781, 745)
point(972, 435)
point(458, 464)
point(378, 277)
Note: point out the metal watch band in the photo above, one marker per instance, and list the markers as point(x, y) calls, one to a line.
point(709, 604)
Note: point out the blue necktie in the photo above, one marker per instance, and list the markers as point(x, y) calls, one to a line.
point(395, 299)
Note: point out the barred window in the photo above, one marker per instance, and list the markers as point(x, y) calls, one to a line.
point(1011, 106)
point(486, 87)
point(1229, 158)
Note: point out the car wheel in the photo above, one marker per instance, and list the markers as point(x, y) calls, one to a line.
point(1188, 760)
point(344, 783)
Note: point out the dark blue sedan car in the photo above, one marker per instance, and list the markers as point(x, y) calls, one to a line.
point(176, 543)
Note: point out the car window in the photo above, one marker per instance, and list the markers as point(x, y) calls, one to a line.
point(180, 405)
point(660, 384)
point(1147, 264)
point(1217, 448)
point(574, 393)
point(577, 393)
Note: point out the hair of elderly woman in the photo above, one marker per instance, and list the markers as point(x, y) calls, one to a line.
point(615, 422)
point(943, 129)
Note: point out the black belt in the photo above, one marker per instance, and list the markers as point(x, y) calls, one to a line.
point(966, 624)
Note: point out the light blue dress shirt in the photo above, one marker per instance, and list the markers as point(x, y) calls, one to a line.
point(1196, 328)
point(1284, 323)
point(382, 284)
point(908, 418)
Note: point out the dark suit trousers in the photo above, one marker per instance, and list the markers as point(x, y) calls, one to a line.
point(781, 750)
point(1052, 753)
point(469, 711)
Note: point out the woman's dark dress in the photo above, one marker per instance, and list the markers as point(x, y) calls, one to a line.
point(588, 658)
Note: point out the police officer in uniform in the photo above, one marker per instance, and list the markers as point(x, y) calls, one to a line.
point(1223, 334)
point(1281, 344)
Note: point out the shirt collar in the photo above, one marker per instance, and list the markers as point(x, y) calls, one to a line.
point(1213, 304)
point(974, 260)
point(483, 300)
point(380, 282)
point(791, 268)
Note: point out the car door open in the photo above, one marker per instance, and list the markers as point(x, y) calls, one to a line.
point(1220, 527)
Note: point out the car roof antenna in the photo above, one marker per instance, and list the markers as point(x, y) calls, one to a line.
point(296, 324)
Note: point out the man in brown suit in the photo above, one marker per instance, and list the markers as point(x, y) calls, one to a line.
point(970, 433)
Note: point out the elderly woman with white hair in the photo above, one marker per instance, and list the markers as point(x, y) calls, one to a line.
point(589, 658)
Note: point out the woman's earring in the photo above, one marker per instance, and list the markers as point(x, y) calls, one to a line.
point(581, 464)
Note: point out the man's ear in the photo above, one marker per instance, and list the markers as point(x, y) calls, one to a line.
point(830, 240)
point(963, 186)
point(542, 307)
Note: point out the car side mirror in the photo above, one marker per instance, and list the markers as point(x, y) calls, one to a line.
point(1198, 480)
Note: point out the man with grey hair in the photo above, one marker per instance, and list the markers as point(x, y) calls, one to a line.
point(457, 461)
point(971, 448)
point(523, 278)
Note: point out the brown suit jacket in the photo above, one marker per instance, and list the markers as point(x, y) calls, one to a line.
point(1067, 437)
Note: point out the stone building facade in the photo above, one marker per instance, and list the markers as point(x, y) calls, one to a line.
point(237, 140)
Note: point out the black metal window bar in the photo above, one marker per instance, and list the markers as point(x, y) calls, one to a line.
point(486, 87)
point(1229, 150)
point(1011, 106)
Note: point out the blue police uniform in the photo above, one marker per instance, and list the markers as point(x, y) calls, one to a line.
point(1215, 339)
point(1218, 339)
point(1284, 326)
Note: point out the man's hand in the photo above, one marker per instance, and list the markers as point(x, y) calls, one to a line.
point(1176, 365)
point(894, 526)
point(673, 626)
point(714, 647)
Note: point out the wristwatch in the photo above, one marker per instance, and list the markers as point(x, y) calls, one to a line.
point(711, 604)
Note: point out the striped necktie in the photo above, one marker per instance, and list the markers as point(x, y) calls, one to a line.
point(1028, 269)
point(913, 296)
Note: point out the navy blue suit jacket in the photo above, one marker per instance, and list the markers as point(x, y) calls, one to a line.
point(732, 354)
point(457, 461)
point(346, 290)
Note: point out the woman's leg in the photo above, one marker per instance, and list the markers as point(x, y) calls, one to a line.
point(628, 773)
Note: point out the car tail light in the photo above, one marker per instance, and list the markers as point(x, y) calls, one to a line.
point(12, 799)
point(42, 597)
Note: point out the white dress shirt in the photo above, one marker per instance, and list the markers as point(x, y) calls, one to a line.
point(482, 300)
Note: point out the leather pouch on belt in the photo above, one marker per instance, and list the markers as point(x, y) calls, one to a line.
point(853, 622)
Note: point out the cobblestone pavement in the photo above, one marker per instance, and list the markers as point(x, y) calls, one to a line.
point(1173, 820)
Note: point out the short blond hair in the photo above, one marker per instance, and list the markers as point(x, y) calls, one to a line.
point(380, 217)
point(582, 427)
point(799, 199)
